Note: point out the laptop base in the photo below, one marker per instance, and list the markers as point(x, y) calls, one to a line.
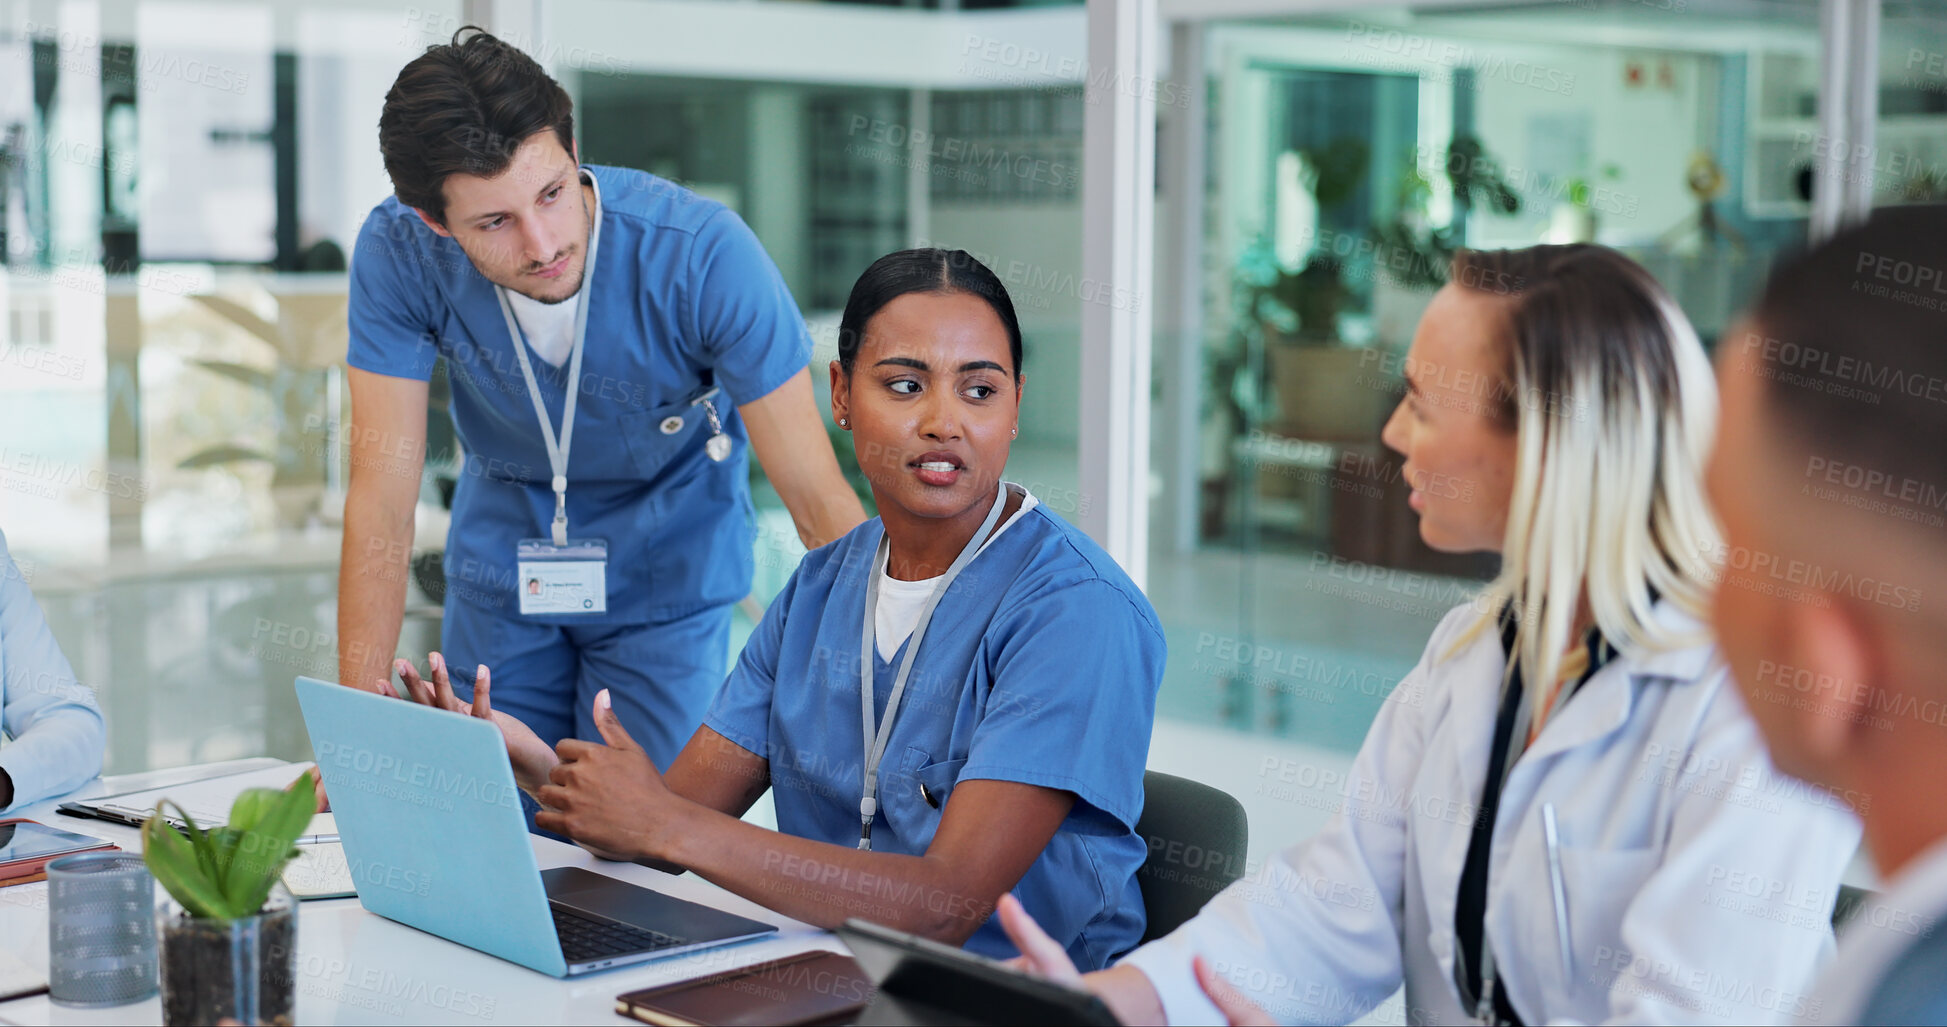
point(604, 922)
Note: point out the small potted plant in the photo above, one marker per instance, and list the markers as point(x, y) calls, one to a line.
point(1574, 217)
point(228, 930)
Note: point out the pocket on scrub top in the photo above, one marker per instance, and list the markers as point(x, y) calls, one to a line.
point(918, 796)
point(656, 436)
point(1601, 883)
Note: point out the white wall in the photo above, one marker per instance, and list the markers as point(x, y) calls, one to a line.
point(822, 43)
point(1037, 252)
point(348, 58)
point(1648, 132)
point(779, 211)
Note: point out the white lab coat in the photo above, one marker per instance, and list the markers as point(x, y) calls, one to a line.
point(1699, 880)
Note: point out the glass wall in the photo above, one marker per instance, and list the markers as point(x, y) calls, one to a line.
point(1347, 157)
point(1908, 160)
point(180, 185)
point(832, 178)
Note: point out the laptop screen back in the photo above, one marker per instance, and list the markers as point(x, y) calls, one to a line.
point(431, 821)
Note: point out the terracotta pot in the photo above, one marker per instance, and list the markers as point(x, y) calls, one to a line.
point(1339, 393)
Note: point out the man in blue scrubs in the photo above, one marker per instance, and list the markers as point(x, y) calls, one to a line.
point(616, 344)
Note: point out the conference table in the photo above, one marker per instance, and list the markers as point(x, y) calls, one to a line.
point(354, 967)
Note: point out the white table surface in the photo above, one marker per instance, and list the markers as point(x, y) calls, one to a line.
point(356, 968)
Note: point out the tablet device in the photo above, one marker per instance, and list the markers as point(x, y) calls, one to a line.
point(923, 981)
point(26, 846)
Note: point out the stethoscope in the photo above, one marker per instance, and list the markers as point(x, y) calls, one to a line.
point(717, 447)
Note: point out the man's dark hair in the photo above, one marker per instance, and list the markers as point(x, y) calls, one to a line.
point(463, 108)
point(1850, 341)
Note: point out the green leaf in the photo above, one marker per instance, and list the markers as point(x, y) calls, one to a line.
point(189, 823)
point(250, 806)
point(264, 849)
point(245, 813)
point(227, 873)
point(291, 810)
point(175, 861)
point(200, 841)
point(223, 843)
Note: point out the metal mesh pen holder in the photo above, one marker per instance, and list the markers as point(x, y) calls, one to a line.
point(101, 948)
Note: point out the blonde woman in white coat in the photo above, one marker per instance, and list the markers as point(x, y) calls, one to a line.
point(1642, 861)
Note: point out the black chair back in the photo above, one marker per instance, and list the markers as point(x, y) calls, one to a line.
point(1197, 837)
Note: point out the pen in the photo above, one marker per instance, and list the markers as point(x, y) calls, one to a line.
point(318, 839)
point(1553, 837)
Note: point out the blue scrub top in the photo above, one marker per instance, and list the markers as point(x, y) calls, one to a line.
point(1041, 666)
point(685, 298)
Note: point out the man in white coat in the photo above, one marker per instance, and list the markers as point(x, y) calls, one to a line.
point(1830, 475)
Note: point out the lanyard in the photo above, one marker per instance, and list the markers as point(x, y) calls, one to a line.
point(875, 739)
point(558, 451)
point(1475, 969)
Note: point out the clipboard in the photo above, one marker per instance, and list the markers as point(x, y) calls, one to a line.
point(207, 800)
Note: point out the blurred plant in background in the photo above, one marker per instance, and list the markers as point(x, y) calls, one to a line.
point(1475, 178)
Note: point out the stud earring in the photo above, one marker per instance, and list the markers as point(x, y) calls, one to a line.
point(842, 423)
point(1016, 433)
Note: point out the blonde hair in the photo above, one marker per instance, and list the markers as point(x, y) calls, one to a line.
point(1613, 403)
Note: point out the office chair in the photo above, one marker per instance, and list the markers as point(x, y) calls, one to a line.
point(1196, 836)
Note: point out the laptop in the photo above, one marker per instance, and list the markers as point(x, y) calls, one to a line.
point(433, 832)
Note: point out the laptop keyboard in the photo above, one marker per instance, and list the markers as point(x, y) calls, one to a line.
point(586, 938)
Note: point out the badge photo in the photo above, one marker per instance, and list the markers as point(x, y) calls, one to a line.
point(566, 579)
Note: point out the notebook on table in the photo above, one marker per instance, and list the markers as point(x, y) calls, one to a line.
point(808, 988)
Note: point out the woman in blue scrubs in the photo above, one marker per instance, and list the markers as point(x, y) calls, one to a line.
point(1011, 758)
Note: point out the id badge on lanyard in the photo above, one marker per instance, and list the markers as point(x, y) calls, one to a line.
point(559, 575)
point(877, 735)
point(562, 579)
